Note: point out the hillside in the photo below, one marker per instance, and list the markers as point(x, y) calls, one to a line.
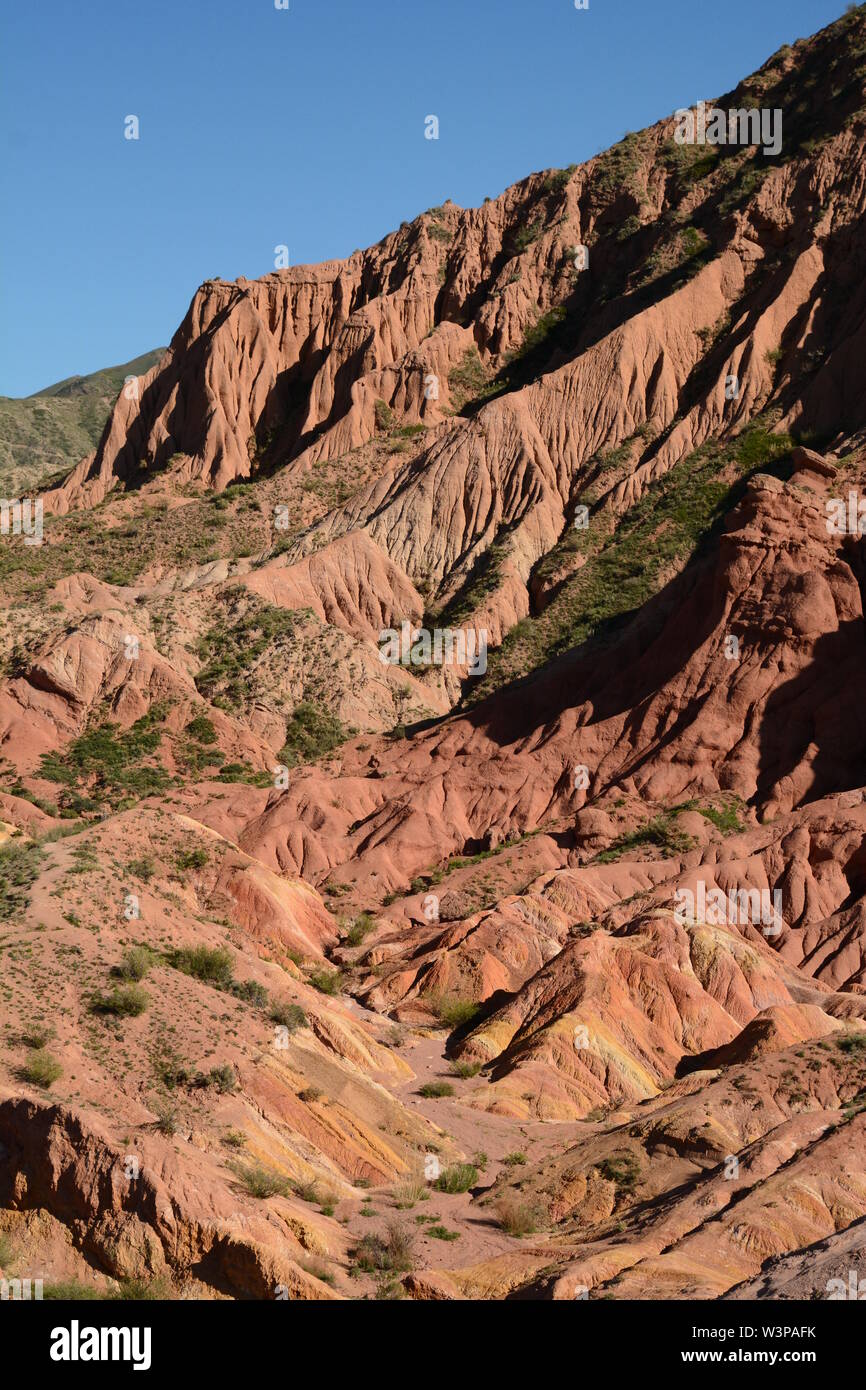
point(43, 435)
point(414, 980)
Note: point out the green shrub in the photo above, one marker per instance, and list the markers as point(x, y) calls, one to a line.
point(201, 729)
point(290, 1016)
point(259, 1181)
point(393, 1251)
point(251, 992)
point(459, 1177)
point(213, 965)
point(558, 179)
point(409, 1191)
point(222, 1078)
point(326, 981)
point(435, 1090)
point(524, 236)
point(442, 1233)
point(126, 1001)
point(535, 336)
point(452, 1011)
point(142, 1291)
point(135, 963)
point(468, 380)
point(466, 1070)
point(73, 1291)
point(311, 732)
point(384, 416)
point(518, 1218)
point(360, 929)
point(143, 868)
point(319, 1270)
point(628, 228)
point(191, 859)
point(622, 1169)
point(166, 1119)
point(19, 870)
point(115, 763)
point(41, 1069)
point(724, 818)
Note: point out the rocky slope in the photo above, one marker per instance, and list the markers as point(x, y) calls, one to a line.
point(538, 977)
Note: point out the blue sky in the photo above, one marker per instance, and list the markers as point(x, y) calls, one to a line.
point(302, 127)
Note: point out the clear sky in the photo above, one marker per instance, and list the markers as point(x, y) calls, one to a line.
point(302, 127)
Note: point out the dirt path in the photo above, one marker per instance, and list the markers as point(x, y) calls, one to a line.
point(473, 1233)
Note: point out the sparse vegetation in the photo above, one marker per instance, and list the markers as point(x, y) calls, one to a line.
point(41, 1069)
point(166, 1118)
point(38, 1035)
point(440, 1232)
point(626, 564)
point(621, 1169)
point(409, 1191)
point(465, 1070)
point(290, 1016)
point(126, 1001)
point(518, 1218)
point(360, 929)
point(326, 981)
point(143, 868)
point(212, 965)
point(259, 1181)
point(190, 859)
point(468, 381)
point(659, 833)
point(384, 416)
point(19, 869)
point(135, 963)
point(311, 733)
point(391, 1251)
point(231, 646)
point(223, 1079)
point(251, 992)
point(453, 1011)
point(113, 766)
point(459, 1177)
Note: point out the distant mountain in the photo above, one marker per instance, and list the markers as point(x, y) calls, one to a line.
point(106, 382)
point(45, 434)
